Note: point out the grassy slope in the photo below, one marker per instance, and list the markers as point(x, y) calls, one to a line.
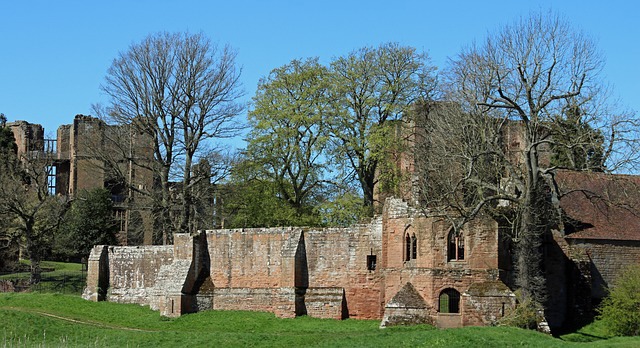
point(23, 322)
point(65, 277)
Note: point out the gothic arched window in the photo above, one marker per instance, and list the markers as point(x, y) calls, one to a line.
point(407, 247)
point(455, 246)
point(414, 247)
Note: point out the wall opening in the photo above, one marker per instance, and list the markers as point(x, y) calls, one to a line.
point(455, 246)
point(449, 301)
point(301, 277)
point(407, 247)
point(410, 246)
point(414, 247)
point(371, 262)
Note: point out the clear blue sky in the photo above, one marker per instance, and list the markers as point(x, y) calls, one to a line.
point(54, 54)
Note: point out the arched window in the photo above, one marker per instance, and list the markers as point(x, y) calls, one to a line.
point(410, 247)
point(407, 247)
point(455, 246)
point(414, 247)
point(449, 301)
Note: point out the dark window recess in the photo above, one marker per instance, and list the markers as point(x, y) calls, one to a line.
point(410, 247)
point(371, 262)
point(407, 248)
point(455, 247)
point(414, 247)
point(449, 301)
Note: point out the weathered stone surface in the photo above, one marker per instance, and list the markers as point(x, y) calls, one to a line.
point(407, 297)
point(97, 274)
point(328, 273)
point(324, 303)
point(133, 271)
point(407, 307)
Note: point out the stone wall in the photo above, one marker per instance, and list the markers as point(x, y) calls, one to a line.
point(324, 302)
point(280, 301)
point(327, 273)
point(97, 274)
point(321, 265)
point(608, 258)
point(337, 258)
point(484, 303)
point(29, 138)
point(253, 258)
point(431, 272)
point(133, 271)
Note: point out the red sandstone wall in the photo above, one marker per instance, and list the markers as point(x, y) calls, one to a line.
point(430, 272)
point(280, 301)
point(253, 258)
point(338, 258)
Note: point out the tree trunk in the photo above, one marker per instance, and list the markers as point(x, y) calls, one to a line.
point(36, 270)
point(185, 217)
point(533, 224)
point(34, 254)
point(165, 213)
point(367, 182)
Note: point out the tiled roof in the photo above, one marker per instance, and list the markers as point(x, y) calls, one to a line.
point(600, 206)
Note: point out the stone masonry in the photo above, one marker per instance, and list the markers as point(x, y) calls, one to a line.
point(338, 273)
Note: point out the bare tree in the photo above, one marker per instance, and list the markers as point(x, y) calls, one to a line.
point(33, 213)
point(180, 90)
point(490, 151)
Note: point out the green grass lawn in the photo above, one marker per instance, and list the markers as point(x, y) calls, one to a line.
point(60, 277)
point(44, 319)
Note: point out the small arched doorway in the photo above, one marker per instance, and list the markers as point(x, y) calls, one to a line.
point(449, 301)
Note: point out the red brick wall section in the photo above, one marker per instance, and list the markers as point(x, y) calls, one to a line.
point(253, 258)
point(280, 301)
point(182, 246)
point(266, 258)
point(337, 258)
point(324, 303)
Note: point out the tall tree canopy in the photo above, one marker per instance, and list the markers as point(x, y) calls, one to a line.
point(289, 130)
point(87, 223)
point(29, 212)
point(180, 90)
point(374, 86)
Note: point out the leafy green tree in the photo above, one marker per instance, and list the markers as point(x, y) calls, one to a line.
point(87, 223)
point(342, 207)
point(249, 200)
point(375, 86)
point(620, 310)
point(289, 135)
point(32, 213)
point(8, 147)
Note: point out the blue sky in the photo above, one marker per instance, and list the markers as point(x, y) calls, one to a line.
point(54, 54)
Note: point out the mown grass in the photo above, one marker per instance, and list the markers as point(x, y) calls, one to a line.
point(62, 277)
point(41, 319)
